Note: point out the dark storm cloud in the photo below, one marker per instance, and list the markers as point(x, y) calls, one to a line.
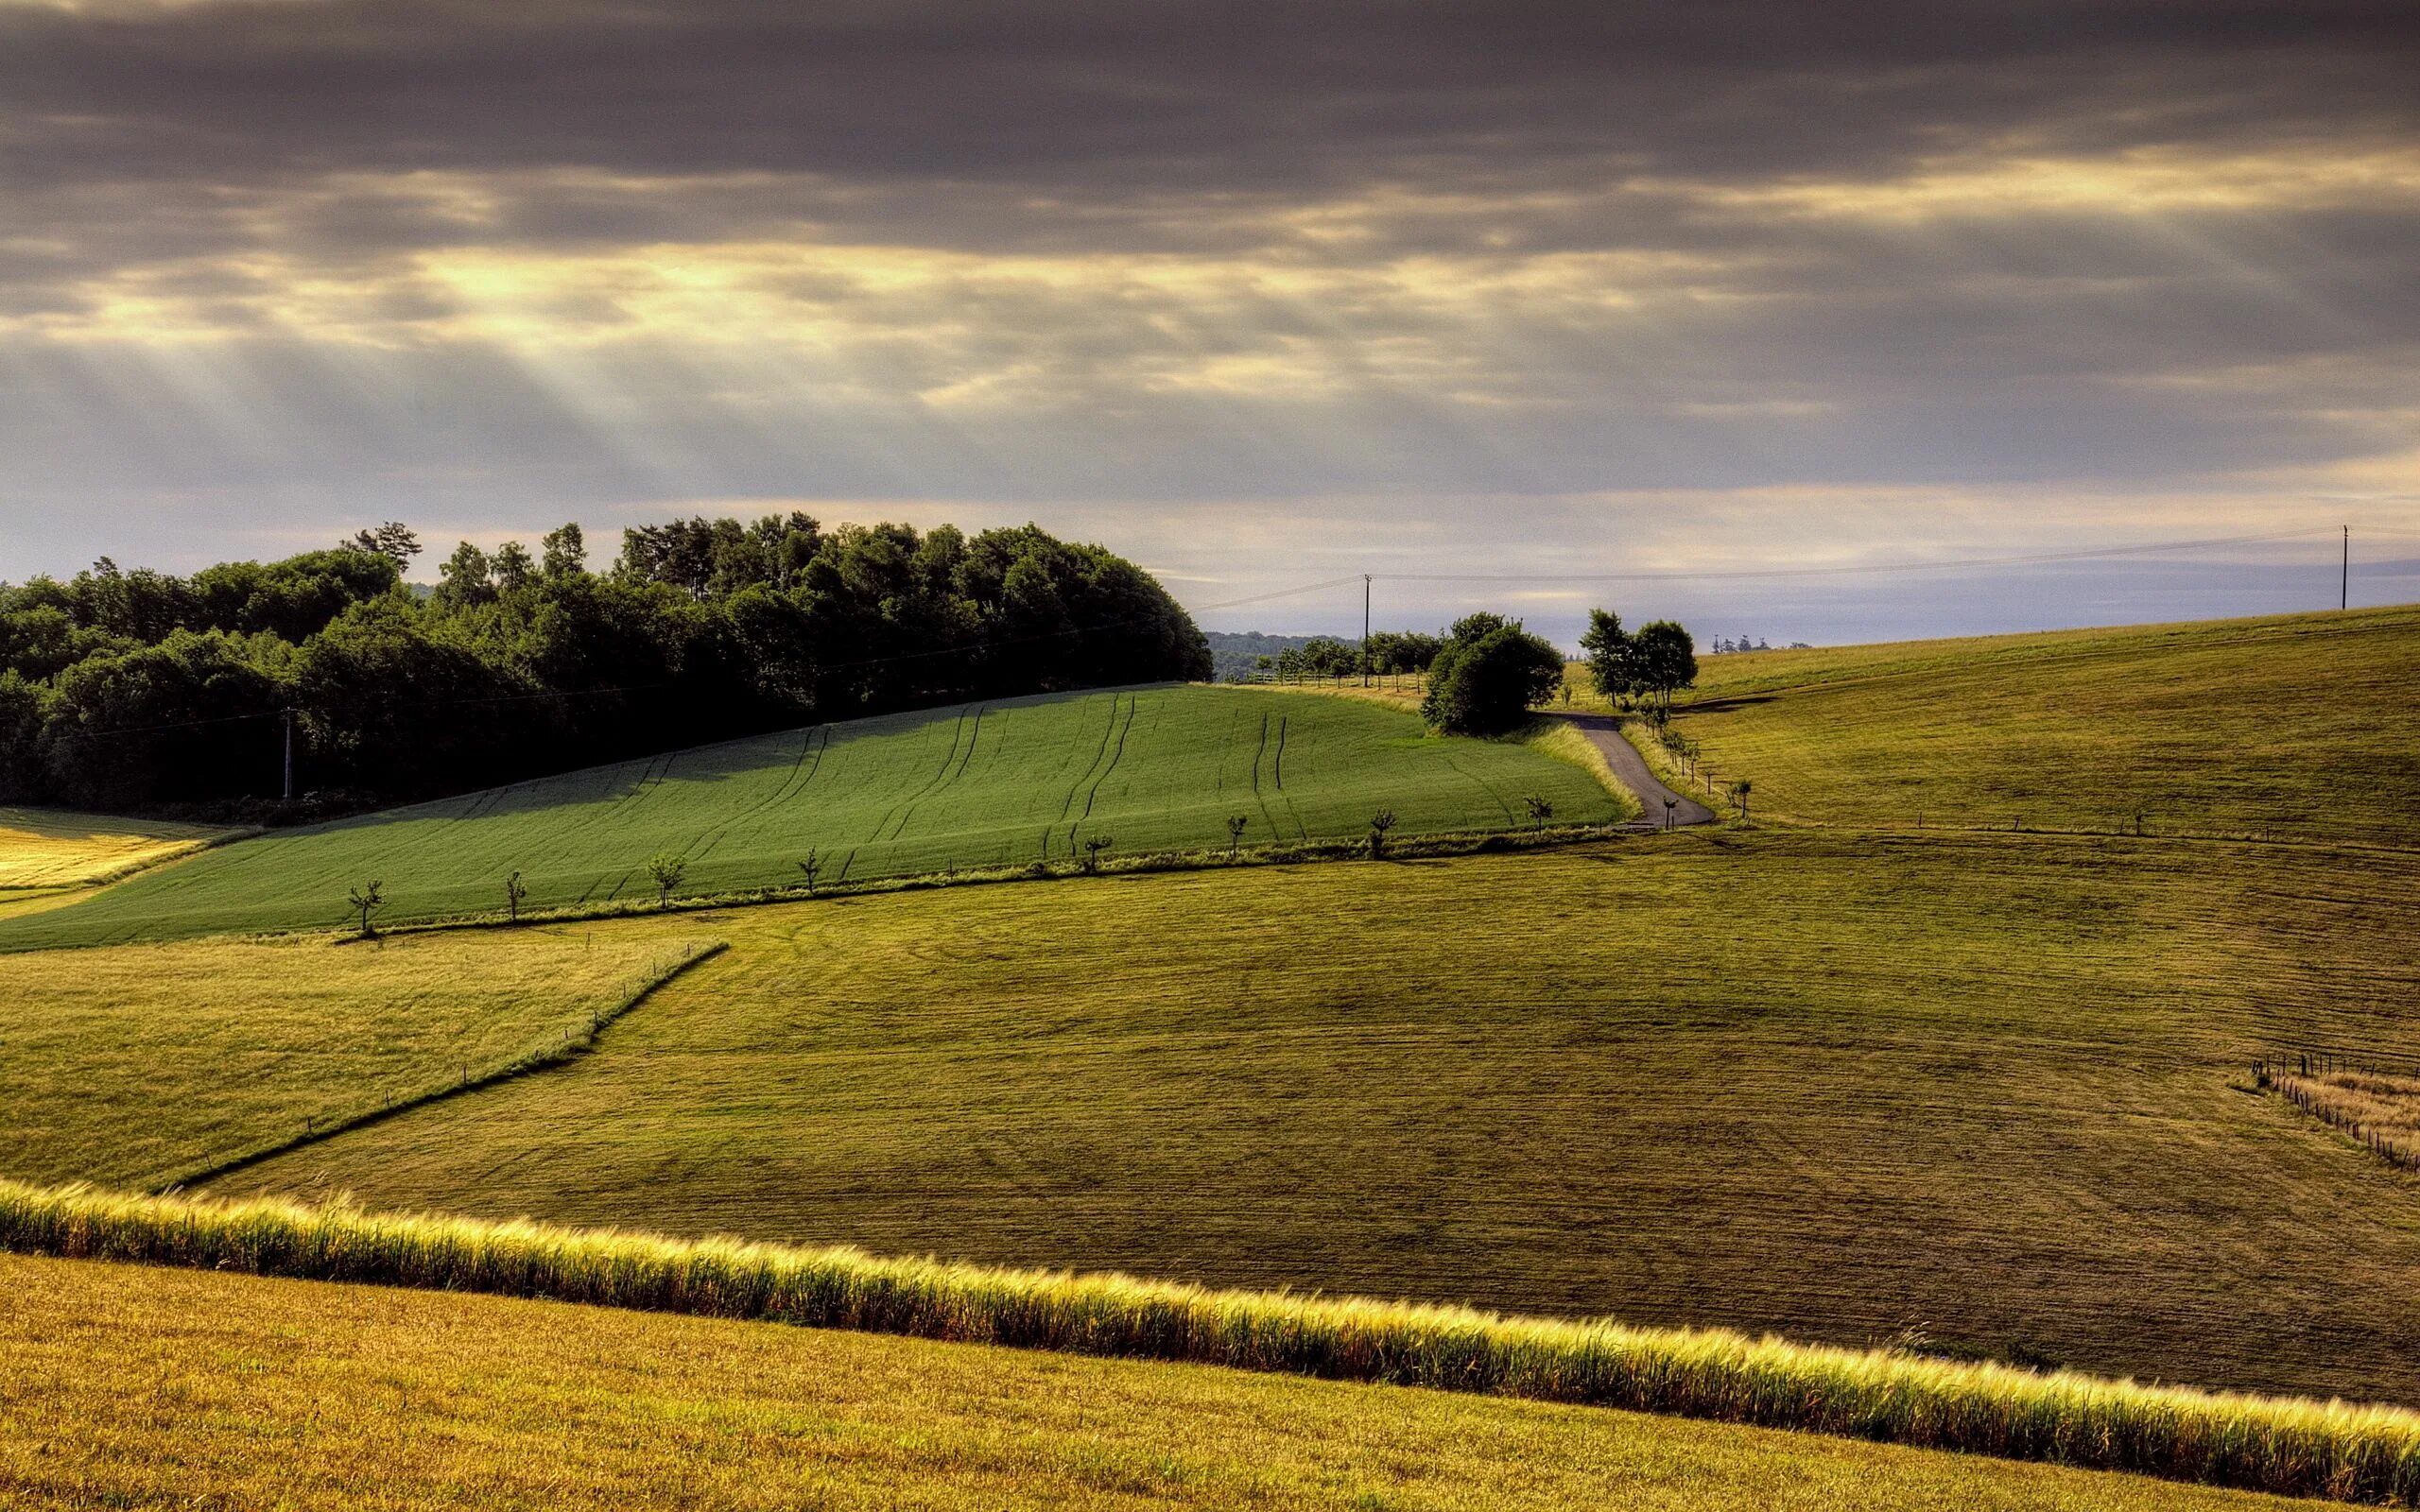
point(1097, 105)
point(283, 264)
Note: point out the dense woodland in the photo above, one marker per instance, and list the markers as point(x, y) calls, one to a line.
point(138, 690)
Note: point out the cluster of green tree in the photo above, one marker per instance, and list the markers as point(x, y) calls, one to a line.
point(1325, 656)
point(1651, 664)
point(1236, 655)
point(1488, 675)
point(134, 689)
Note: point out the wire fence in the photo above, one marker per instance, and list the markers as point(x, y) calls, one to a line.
point(2371, 1096)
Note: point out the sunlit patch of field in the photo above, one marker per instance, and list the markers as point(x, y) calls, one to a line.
point(129, 1386)
point(42, 850)
point(132, 1065)
point(1976, 1089)
point(2297, 727)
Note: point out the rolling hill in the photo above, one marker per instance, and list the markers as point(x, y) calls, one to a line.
point(964, 787)
point(2298, 727)
point(1977, 1088)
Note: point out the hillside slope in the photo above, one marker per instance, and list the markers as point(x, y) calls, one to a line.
point(130, 1387)
point(2300, 726)
point(1843, 1085)
point(979, 786)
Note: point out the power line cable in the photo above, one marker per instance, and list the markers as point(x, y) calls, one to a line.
point(1949, 564)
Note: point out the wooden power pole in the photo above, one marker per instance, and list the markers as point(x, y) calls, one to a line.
point(1365, 630)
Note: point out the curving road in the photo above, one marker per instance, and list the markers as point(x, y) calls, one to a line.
point(1605, 733)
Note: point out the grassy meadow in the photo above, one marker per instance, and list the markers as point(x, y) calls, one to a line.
point(1977, 1091)
point(45, 850)
point(125, 1387)
point(983, 785)
point(2300, 726)
point(134, 1065)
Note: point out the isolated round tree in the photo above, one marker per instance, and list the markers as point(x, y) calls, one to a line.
point(1487, 686)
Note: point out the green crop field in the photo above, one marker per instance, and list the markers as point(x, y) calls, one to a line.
point(130, 1387)
point(2299, 726)
point(982, 786)
point(1977, 1088)
point(132, 1065)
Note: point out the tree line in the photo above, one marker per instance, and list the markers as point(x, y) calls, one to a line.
point(134, 689)
point(1487, 672)
point(1385, 652)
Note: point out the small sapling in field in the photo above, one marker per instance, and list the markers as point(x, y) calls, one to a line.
point(813, 864)
point(1094, 845)
point(1235, 823)
point(513, 893)
point(1380, 823)
point(1740, 791)
point(666, 869)
point(1540, 810)
point(366, 902)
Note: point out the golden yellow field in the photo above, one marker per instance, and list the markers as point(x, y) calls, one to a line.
point(52, 847)
point(128, 1386)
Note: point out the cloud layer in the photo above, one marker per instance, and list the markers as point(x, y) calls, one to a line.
point(1253, 292)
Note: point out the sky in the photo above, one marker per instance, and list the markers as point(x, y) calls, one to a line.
point(1256, 295)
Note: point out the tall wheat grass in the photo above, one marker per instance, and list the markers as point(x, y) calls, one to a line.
point(2277, 1445)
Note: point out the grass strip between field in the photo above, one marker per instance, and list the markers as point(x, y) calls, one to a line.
point(538, 1058)
point(2287, 1445)
point(1412, 848)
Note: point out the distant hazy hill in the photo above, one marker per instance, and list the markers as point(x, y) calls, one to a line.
point(1233, 652)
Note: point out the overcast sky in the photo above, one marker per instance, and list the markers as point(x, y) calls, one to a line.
point(1257, 294)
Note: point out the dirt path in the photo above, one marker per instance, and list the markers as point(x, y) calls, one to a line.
point(1605, 735)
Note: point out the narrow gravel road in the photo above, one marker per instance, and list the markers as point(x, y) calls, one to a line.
point(1606, 735)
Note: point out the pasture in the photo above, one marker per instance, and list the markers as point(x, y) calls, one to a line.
point(1160, 768)
point(124, 1385)
point(135, 1065)
point(2300, 726)
point(1977, 1091)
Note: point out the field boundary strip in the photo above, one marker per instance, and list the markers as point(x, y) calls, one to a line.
point(521, 1064)
point(1285, 852)
point(2287, 1445)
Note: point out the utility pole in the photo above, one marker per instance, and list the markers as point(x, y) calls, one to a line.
point(2345, 583)
point(289, 754)
point(1365, 630)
